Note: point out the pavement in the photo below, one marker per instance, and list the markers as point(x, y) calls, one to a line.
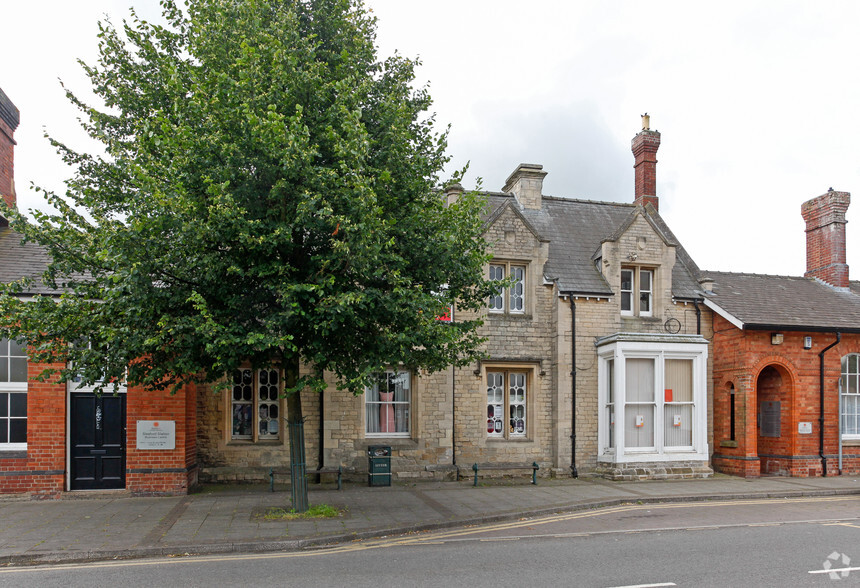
point(87, 526)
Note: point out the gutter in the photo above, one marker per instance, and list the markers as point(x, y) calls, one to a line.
point(821, 404)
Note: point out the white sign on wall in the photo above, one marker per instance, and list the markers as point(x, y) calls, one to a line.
point(156, 434)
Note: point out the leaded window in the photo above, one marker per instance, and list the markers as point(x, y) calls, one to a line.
point(511, 299)
point(507, 402)
point(256, 405)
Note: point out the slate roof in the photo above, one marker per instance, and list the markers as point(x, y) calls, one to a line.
point(28, 260)
point(575, 230)
point(764, 302)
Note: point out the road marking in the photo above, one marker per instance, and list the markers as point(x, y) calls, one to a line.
point(833, 570)
point(835, 524)
point(646, 585)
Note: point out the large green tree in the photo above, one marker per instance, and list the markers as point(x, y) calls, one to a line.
point(268, 193)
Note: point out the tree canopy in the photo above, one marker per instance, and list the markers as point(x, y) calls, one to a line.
point(268, 193)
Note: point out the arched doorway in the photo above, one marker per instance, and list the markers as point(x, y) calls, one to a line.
point(773, 422)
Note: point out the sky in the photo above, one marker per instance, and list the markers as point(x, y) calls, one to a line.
point(758, 103)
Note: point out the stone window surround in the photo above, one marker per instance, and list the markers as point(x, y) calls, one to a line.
point(531, 368)
point(635, 291)
point(509, 263)
point(621, 346)
point(404, 435)
point(255, 440)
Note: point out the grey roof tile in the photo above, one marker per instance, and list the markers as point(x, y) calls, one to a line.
point(766, 301)
point(23, 260)
point(575, 230)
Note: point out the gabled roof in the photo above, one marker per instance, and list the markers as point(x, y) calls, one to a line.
point(575, 230)
point(763, 302)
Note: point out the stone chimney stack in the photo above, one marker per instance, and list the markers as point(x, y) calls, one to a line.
point(9, 117)
point(453, 193)
point(526, 184)
point(645, 145)
point(825, 237)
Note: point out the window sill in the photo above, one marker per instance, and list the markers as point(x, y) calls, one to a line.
point(13, 453)
point(265, 442)
point(509, 315)
point(850, 442)
point(394, 442)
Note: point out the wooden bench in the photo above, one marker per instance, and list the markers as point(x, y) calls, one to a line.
point(534, 467)
point(326, 470)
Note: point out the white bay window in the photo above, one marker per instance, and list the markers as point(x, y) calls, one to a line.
point(655, 387)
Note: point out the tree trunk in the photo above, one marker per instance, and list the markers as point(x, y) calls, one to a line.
point(296, 428)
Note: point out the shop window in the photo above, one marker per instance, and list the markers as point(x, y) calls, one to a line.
point(507, 402)
point(513, 298)
point(388, 405)
point(637, 291)
point(255, 405)
point(849, 396)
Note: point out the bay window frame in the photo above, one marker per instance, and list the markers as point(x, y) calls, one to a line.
point(613, 353)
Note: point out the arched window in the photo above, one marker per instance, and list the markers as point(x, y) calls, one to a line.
point(849, 396)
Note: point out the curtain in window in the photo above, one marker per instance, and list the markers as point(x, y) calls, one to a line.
point(387, 404)
point(639, 408)
point(678, 403)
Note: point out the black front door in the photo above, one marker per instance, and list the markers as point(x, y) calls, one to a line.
point(97, 441)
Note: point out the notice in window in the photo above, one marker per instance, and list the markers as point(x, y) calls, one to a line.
point(157, 435)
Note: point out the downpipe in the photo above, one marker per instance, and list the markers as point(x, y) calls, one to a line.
point(821, 404)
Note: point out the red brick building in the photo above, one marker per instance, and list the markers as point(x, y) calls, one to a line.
point(58, 437)
point(787, 360)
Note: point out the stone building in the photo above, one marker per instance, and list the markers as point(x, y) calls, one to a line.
point(787, 359)
point(603, 334)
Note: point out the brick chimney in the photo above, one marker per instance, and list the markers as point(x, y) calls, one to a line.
point(825, 237)
point(526, 184)
point(645, 145)
point(9, 117)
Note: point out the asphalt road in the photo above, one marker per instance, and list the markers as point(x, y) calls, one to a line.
point(768, 542)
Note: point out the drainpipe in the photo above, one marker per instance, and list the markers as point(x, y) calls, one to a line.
point(573, 471)
point(454, 422)
point(322, 437)
point(821, 404)
point(698, 318)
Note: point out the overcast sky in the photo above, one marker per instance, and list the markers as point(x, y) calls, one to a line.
point(758, 103)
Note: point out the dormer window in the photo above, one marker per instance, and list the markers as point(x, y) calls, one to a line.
point(511, 299)
point(637, 284)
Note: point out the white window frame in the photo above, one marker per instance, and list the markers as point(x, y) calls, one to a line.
point(508, 428)
point(503, 302)
point(613, 353)
point(390, 406)
point(849, 389)
point(8, 388)
point(256, 403)
point(636, 291)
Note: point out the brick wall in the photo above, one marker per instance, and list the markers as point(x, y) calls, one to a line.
point(8, 123)
point(761, 371)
